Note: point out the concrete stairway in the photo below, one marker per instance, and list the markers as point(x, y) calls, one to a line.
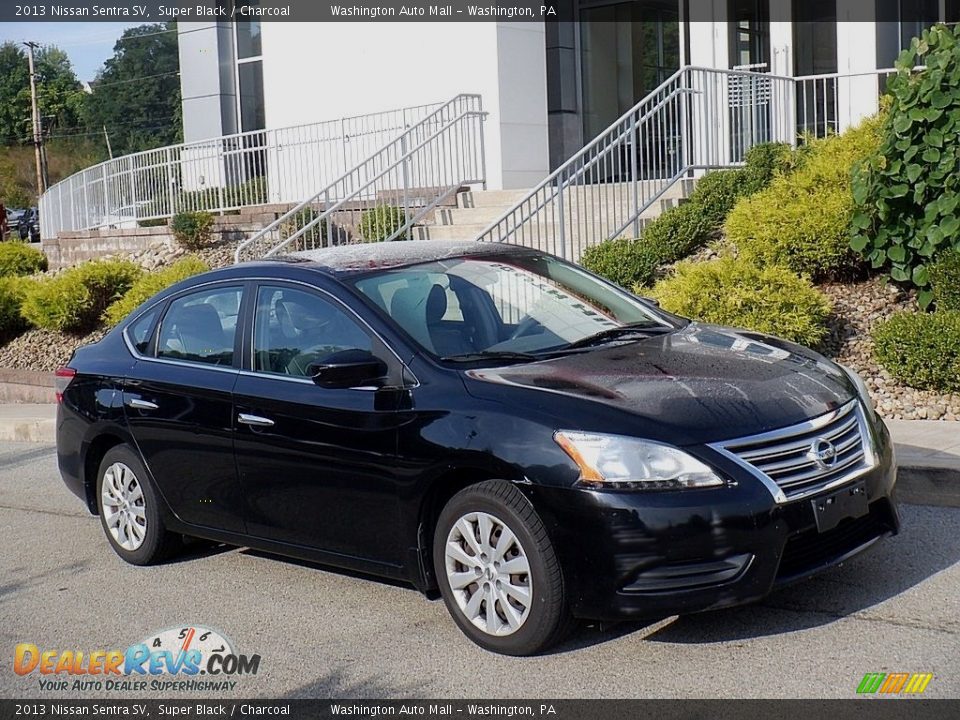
point(476, 209)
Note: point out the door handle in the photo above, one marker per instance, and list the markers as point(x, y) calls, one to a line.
point(141, 404)
point(254, 420)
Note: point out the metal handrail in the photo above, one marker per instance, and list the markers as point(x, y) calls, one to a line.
point(698, 119)
point(396, 169)
point(221, 173)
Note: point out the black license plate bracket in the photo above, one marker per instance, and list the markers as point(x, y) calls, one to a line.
point(848, 502)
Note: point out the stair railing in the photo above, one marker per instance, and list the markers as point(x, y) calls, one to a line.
point(382, 197)
point(697, 119)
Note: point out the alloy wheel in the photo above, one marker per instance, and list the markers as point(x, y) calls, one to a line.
point(489, 573)
point(124, 511)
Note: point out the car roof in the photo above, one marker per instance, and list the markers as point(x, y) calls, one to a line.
point(366, 257)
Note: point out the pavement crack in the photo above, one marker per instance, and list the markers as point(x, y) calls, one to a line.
point(58, 513)
point(860, 615)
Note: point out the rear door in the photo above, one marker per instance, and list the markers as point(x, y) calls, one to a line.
point(179, 405)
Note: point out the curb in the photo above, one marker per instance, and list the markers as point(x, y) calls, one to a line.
point(34, 430)
point(928, 485)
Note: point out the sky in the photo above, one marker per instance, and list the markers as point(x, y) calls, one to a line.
point(87, 43)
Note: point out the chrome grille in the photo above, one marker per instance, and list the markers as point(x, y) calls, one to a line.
point(788, 456)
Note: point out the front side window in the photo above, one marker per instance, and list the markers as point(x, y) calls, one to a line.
point(503, 304)
point(296, 330)
point(201, 327)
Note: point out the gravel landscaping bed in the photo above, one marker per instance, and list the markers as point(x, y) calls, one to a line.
point(857, 308)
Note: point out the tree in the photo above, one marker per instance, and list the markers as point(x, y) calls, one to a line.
point(59, 93)
point(137, 93)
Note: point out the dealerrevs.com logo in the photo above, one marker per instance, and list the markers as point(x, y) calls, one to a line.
point(188, 658)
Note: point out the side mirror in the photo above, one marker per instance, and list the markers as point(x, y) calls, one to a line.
point(348, 369)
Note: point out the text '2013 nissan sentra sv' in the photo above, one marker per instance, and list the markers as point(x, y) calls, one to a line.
point(484, 420)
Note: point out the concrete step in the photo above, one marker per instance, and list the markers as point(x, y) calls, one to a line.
point(490, 198)
point(545, 236)
point(489, 213)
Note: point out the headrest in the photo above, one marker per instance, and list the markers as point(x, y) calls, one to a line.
point(436, 304)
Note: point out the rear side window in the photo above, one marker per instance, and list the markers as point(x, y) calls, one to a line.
point(140, 331)
point(201, 327)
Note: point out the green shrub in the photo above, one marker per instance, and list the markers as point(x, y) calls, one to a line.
point(311, 238)
point(149, 285)
point(733, 291)
point(623, 261)
point(380, 222)
point(12, 290)
point(802, 218)
point(192, 230)
point(945, 280)
point(17, 258)
point(674, 235)
point(921, 349)
point(74, 300)
point(906, 193)
point(763, 162)
point(713, 198)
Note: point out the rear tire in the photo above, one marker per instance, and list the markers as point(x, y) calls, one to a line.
point(130, 509)
point(498, 572)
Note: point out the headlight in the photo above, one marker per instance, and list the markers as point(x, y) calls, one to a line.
point(615, 461)
point(862, 391)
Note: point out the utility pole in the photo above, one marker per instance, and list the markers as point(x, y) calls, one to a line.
point(37, 123)
point(107, 138)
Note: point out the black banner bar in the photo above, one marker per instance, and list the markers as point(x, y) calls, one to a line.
point(873, 708)
point(151, 11)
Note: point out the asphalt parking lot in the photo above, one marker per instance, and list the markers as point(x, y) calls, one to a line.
point(327, 634)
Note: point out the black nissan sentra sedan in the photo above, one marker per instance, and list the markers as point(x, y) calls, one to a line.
point(484, 420)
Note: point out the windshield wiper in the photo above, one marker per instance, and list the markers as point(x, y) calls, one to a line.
point(615, 333)
point(491, 355)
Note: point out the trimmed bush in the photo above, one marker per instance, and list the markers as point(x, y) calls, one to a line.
point(921, 349)
point(733, 291)
point(192, 230)
point(907, 197)
point(624, 261)
point(688, 227)
point(763, 162)
point(12, 290)
point(17, 258)
point(311, 237)
point(75, 300)
point(945, 281)
point(149, 285)
point(802, 219)
point(380, 222)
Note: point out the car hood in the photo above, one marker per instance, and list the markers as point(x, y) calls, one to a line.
point(698, 384)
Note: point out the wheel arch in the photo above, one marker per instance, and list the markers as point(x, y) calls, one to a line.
point(98, 447)
point(433, 500)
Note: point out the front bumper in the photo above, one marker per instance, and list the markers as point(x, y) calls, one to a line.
point(634, 555)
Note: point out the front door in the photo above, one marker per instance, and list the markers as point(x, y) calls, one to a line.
point(316, 465)
point(179, 407)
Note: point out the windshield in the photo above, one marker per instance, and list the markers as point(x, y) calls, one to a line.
point(528, 304)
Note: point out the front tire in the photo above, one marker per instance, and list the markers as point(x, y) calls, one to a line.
point(130, 509)
point(498, 572)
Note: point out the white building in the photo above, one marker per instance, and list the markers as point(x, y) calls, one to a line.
point(548, 87)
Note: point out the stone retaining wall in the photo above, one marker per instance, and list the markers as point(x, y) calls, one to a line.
point(72, 247)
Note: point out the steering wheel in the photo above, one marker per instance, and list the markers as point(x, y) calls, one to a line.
point(526, 326)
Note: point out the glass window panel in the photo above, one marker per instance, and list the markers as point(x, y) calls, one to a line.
point(252, 116)
point(201, 327)
point(295, 330)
